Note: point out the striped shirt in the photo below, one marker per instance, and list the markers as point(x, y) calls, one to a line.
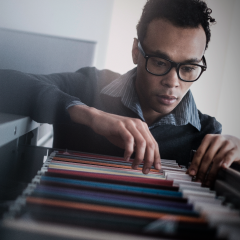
point(176, 134)
point(186, 111)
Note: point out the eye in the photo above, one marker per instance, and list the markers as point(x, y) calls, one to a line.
point(159, 63)
point(188, 68)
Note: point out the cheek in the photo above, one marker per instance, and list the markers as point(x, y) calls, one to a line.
point(141, 76)
point(141, 71)
point(146, 82)
point(185, 86)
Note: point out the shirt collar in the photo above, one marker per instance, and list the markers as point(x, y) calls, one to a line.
point(123, 87)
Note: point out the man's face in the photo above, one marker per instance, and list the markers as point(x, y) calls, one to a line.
point(159, 95)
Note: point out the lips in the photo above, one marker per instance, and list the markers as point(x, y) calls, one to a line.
point(166, 99)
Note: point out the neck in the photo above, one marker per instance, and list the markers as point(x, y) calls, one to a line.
point(151, 116)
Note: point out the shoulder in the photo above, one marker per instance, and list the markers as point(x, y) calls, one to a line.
point(209, 124)
point(104, 77)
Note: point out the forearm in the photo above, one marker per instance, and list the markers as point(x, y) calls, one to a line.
point(127, 133)
point(82, 114)
point(34, 95)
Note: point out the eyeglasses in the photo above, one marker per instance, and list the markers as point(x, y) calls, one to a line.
point(160, 66)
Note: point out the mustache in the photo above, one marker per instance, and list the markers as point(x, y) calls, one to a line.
point(168, 94)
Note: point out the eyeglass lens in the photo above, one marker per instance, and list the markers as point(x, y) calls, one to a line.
point(159, 66)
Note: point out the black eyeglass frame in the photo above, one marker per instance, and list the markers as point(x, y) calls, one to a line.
point(173, 64)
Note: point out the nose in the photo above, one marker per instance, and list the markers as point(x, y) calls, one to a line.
point(171, 79)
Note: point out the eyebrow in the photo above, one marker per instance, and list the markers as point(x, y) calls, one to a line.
point(159, 53)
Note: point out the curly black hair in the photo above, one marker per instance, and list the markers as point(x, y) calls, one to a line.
point(181, 13)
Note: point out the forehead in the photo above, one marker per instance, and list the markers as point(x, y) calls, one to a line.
point(178, 43)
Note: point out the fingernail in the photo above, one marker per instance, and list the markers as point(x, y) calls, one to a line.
point(146, 170)
point(193, 172)
point(225, 165)
point(135, 167)
point(158, 166)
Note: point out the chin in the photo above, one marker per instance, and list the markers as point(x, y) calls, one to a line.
point(163, 109)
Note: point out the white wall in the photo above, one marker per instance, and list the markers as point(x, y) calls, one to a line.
point(125, 16)
point(229, 100)
point(217, 93)
point(208, 89)
point(80, 19)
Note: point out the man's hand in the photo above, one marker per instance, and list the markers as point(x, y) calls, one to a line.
point(218, 150)
point(130, 134)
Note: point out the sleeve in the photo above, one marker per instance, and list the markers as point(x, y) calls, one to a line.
point(45, 98)
point(209, 125)
point(74, 103)
point(217, 127)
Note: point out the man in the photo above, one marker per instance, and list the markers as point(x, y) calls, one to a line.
point(148, 111)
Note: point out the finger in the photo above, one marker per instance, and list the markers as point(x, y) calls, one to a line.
point(224, 153)
point(228, 160)
point(128, 143)
point(198, 156)
point(140, 147)
point(152, 151)
point(140, 150)
point(207, 159)
point(223, 156)
point(212, 173)
point(148, 158)
point(157, 158)
point(152, 156)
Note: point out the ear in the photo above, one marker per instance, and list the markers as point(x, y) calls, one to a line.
point(135, 51)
